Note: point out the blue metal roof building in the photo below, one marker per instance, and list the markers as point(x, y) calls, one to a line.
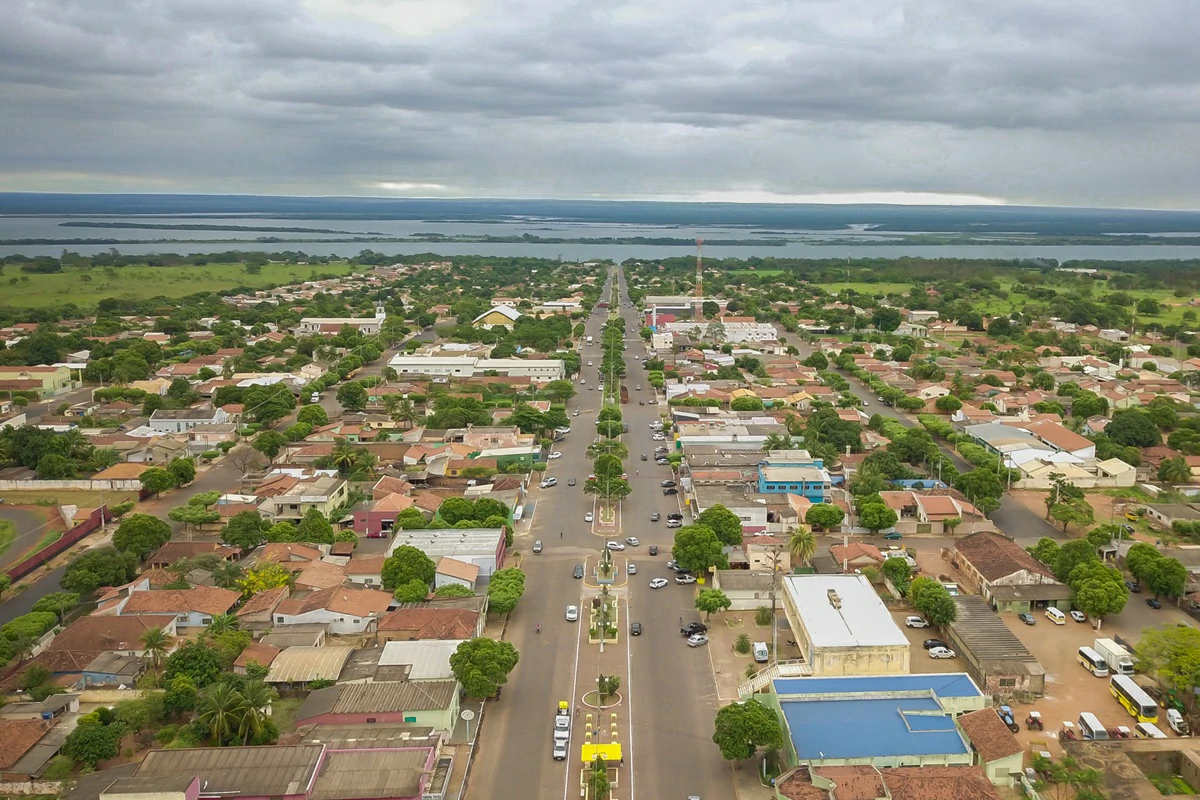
point(882, 720)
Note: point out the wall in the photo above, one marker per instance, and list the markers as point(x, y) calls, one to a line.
point(68, 540)
point(108, 695)
point(51, 788)
point(861, 660)
point(86, 486)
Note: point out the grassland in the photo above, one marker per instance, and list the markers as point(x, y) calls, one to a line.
point(64, 497)
point(8, 533)
point(869, 289)
point(87, 288)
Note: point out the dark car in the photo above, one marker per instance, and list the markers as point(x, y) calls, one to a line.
point(653, 549)
point(674, 515)
point(579, 570)
point(1153, 602)
point(570, 481)
point(644, 458)
point(670, 490)
point(931, 643)
point(1133, 587)
point(693, 627)
point(635, 629)
point(1027, 618)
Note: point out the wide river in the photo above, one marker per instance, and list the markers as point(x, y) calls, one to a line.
point(801, 244)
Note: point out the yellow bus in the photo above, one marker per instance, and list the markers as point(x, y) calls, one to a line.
point(1134, 698)
point(1093, 662)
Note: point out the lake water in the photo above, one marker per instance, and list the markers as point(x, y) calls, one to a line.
point(801, 244)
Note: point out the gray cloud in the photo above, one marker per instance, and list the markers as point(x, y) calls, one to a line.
point(1062, 102)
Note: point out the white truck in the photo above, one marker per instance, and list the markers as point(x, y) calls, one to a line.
point(1120, 662)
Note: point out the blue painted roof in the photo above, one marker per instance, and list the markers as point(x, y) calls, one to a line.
point(955, 684)
point(824, 729)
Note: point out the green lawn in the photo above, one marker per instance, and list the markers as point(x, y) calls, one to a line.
point(871, 289)
point(86, 288)
point(8, 533)
point(67, 497)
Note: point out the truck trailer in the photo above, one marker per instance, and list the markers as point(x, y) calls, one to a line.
point(1120, 662)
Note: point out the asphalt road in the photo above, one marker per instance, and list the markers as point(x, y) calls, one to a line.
point(669, 697)
point(18, 603)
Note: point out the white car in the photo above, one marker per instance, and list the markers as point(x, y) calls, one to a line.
point(658, 583)
point(548, 482)
point(697, 640)
point(589, 363)
point(615, 546)
point(941, 652)
point(685, 578)
point(632, 541)
point(560, 750)
point(575, 413)
point(554, 455)
point(915, 622)
point(572, 613)
point(658, 437)
point(632, 569)
point(588, 517)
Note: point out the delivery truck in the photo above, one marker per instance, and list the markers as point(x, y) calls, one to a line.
point(1120, 662)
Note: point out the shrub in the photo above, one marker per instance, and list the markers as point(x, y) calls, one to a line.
point(763, 615)
point(743, 643)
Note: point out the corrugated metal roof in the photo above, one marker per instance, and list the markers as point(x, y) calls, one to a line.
point(244, 771)
point(304, 664)
point(366, 774)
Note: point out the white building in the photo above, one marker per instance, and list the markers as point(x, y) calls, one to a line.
point(539, 370)
point(483, 547)
point(426, 659)
point(331, 326)
point(182, 420)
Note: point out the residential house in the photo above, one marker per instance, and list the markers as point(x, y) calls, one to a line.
point(343, 609)
point(408, 623)
point(191, 608)
point(747, 590)
point(451, 571)
point(324, 493)
point(210, 436)
point(432, 704)
point(767, 553)
point(121, 635)
point(173, 551)
point(502, 315)
point(182, 420)
point(365, 570)
point(258, 612)
point(1010, 579)
point(160, 450)
point(258, 653)
point(376, 519)
point(854, 556)
point(1167, 514)
point(997, 750)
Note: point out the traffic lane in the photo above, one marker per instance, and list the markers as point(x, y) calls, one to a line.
point(17, 603)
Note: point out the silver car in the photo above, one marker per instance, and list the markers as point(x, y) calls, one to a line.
point(572, 613)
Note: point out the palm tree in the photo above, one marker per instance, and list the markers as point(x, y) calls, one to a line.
point(72, 443)
point(406, 412)
point(226, 574)
point(154, 642)
point(102, 458)
point(776, 441)
point(257, 698)
point(344, 456)
point(221, 710)
point(1174, 470)
point(221, 623)
point(802, 545)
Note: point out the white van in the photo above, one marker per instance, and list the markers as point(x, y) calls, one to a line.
point(761, 653)
point(1056, 616)
point(316, 397)
point(1147, 730)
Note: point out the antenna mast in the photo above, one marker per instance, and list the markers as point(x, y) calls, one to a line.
point(699, 312)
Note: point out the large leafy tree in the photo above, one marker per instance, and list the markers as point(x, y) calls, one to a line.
point(876, 517)
point(1133, 428)
point(742, 728)
point(1168, 578)
point(157, 480)
point(246, 529)
point(724, 523)
point(482, 665)
point(1071, 555)
point(824, 516)
point(405, 565)
point(269, 443)
point(1099, 589)
point(505, 589)
point(196, 661)
point(314, 528)
point(141, 534)
point(1045, 551)
point(268, 404)
point(697, 549)
point(933, 601)
point(1172, 654)
point(711, 601)
point(95, 568)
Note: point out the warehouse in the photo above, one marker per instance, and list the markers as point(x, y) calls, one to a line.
point(842, 627)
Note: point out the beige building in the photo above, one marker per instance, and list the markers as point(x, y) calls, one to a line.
point(43, 380)
point(324, 493)
point(842, 627)
point(767, 553)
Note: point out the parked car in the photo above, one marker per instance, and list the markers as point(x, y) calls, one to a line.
point(572, 613)
point(537, 546)
point(1153, 602)
point(693, 628)
point(1078, 616)
point(932, 643)
point(654, 517)
point(698, 640)
point(645, 457)
point(670, 490)
point(588, 517)
point(560, 749)
point(941, 652)
point(662, 462)
point(1027, 618)
point(915, 622)
point(893, 536)
point(578, 570)
point(675, 515)
point(554, 455)
point(632, 541)
point(653, 549)
point(633, 569)
point(667, 483)
point(685, 578)
point(658, 437)
point(635, 629)
point(615, 545)
point(1136, 588)
point(548, 482)
point(658, 583)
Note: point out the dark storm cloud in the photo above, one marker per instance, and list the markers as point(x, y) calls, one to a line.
point(1057, 101)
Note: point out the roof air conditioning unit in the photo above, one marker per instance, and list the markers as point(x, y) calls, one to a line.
point(834, 600)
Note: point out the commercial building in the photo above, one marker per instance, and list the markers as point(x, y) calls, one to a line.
point(794, 472)
point(182, 420)
point(1007, 577)
point(483, 547)
point(429, 703)
point(877, 720)
point(332, 326)
point(539, 370)
point(503, 315)
point(43, 380)
point(842, 627)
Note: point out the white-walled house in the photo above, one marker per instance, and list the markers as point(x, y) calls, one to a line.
point(341, 608)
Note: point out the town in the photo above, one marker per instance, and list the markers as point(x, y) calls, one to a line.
point(386, 534)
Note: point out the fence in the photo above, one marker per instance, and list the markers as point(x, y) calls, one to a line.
point(70, 538)
point(101, 485)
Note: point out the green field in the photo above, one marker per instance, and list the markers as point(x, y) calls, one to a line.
point(64, 497)
point(870, 289)
point(88, 287)
point(8, 533)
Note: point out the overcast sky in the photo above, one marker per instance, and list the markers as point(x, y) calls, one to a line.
point(1058, 102)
